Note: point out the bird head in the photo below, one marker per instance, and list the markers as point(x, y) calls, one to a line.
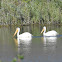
point(17, 30)
point(44, 29)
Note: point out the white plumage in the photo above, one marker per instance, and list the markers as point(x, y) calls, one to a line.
point(23, 36)
point(49, 33)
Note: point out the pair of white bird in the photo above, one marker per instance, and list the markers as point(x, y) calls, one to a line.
point(27, 35)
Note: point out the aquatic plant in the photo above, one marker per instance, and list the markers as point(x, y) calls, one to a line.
point(14, 60)
point(20, 56)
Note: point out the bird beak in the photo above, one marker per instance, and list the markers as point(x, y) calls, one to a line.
point(42, 30)
point(15, 32)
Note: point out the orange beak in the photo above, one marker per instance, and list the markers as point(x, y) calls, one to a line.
point(15, 32)
point(42, 30)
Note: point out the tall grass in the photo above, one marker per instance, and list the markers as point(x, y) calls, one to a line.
point(30, 11)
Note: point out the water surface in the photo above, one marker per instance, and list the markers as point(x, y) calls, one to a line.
point(39, 49)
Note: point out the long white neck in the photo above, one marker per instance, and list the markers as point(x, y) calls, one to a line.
point(18, 34)
point(44, 32)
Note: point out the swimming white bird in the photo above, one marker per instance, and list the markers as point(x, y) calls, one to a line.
point(49, 33)
point(24, 36)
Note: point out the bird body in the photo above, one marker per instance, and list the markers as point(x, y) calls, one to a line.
point(49, 33)
point(23, 36)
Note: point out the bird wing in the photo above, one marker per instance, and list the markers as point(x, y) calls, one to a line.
point(51, 33)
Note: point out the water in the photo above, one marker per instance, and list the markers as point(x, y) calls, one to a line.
point(39, 49)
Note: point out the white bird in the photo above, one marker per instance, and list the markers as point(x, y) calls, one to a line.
point(24, 36)
point(49, 33)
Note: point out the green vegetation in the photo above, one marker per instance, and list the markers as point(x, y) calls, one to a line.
point(0, 61)
point(30, 11)
point(14, 60)
point(20, 57)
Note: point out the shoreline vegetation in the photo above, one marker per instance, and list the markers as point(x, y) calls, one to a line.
point(26, 12)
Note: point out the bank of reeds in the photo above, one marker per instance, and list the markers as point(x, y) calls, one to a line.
point(30, 11)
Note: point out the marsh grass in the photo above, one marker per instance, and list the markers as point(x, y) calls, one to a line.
point(30, 11)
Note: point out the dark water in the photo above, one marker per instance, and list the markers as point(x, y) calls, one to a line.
point(39, 49)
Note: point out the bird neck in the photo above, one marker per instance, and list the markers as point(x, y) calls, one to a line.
point(44, 32)
point(18, 34)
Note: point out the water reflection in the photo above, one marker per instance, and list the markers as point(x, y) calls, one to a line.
point(49, 43)
point(48, 51)
point(23, 45)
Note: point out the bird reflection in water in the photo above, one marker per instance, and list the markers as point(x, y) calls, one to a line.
point(49, 43)
point(23, 41)
point(24, 46)
point(49, 38)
